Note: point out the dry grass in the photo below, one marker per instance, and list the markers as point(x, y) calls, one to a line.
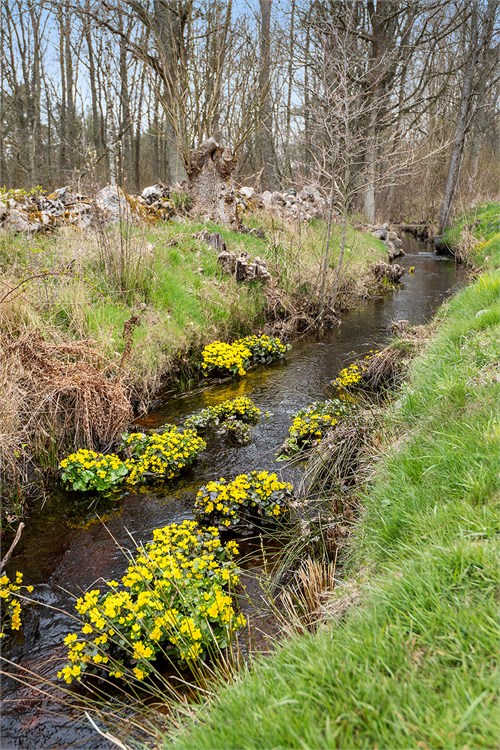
point(55, 397)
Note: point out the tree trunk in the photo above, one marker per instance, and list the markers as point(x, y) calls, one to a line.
point(264, 134)
point(461, 125)
point(211, 183)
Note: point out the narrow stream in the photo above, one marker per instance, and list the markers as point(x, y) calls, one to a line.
point(65, 548)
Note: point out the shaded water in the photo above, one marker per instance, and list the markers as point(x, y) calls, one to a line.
point(65, 548)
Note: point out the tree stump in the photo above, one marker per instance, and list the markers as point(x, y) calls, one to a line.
point(211, 183)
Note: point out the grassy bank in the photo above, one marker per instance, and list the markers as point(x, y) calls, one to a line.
point(93, 321)
point(415, 664)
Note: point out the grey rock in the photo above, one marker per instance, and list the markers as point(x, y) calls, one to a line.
point(247, 192)
point(17, 221)
point(155, 193)
point(111, 201)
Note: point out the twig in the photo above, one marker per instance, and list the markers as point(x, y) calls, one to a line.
point(106, 735)
point(17, 537)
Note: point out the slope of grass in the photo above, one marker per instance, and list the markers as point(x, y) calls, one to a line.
point(88, 284)
point(481, 224)
point(415, 665)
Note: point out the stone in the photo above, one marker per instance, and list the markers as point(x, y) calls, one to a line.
point(267, 198)
point(247, 192)
point(392, 236)
point(3, 210)
point(155, 193)
point(277, 198)
point(392, 273)
point(113, 204)
point(17, 221)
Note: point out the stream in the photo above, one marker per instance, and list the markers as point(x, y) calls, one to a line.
point(65, 547)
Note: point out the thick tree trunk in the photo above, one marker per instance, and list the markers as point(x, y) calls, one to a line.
point(211, 183)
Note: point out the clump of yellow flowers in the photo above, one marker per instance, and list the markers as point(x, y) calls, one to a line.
point(348, 376)
point(173, 601)
point(309, 425)
point(162, 454)
point(10, 604)
point(220, 357)
point(354, 374)
point(159, 455)
point(88, 470)
point(246, 499)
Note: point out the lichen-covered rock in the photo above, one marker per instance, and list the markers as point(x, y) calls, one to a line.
point(112, 203)
point(18, 221)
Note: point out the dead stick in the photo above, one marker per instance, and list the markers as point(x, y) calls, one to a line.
point(17, 537)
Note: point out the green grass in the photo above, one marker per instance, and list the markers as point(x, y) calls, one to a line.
point(415, 665)
point(483, 223)
point(173, 282)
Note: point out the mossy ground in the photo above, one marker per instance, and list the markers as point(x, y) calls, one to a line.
point(416, 664)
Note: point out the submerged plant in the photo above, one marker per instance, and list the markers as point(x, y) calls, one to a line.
point(173, 601)
point(10, 602)
point(309, 425)
point(247, 498)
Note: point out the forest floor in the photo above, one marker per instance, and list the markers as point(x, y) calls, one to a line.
point(414, 663)
point(93, 323)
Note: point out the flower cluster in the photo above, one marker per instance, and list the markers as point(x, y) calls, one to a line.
point(354, 374)
point(309, 425)
point(245, 499)
point(10, 606)
point(173, 601)
point(348, 376)
point(233, 416)
point(88, 470)
point(235, 358)
point(265, 349)
point(220, 357)
point(161, 454)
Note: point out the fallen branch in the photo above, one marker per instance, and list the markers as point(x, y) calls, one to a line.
point(9, 552)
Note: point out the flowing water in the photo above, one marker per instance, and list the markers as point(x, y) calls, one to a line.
point(65, 547)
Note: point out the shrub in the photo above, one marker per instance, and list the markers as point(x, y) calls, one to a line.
point(88, 470)
point(309, 425)
point(173, 601)
point(247, 498)
point(10, 605)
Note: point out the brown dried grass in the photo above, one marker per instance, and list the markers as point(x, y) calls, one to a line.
point(54, 397)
